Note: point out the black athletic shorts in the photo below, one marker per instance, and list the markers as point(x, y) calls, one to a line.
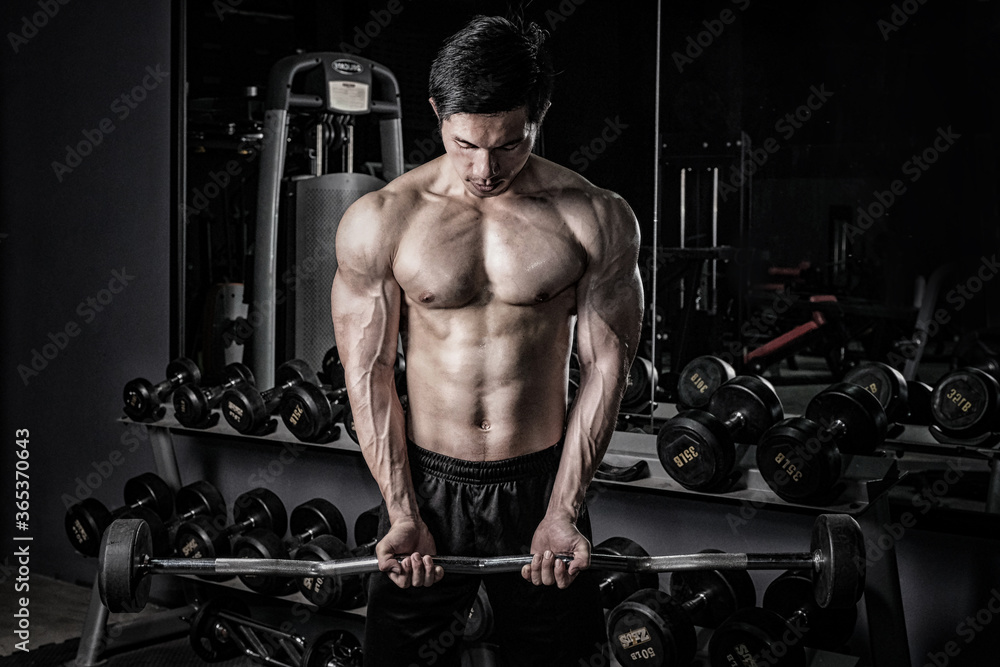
point(490, 508)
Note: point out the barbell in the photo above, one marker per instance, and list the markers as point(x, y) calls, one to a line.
point(836, 560)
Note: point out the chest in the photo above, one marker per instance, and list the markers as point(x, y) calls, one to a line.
point(453, 259)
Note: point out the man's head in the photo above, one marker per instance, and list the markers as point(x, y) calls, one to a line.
point(490, 87)
point(490, 66)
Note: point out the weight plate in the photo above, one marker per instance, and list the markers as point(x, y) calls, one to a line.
point(798, 461)
point(317, 517)
point(238, 373)
point(191, 407)
point(479, 625)
point(259, 543)
point(756, 401)
point(965, 403)
point(140, 403)
point(334, 648)
point(264, 508)
point(333, 590)
point(149, 490)
point(85, 523)
point(840, 581)
point(696, 450)
point(214, 634)
point(791, 597)
point(719, 593)
point(295, 371)
point(333, 370)
point(863, 419)
point(244, 409)
point(755, 636)
point(366, 526)
point(184, 369)
point(699, 379)
point(886, 384)
point(200, 498)
point(159, 536)
point(616, 586)
point(651, 628)
point(126, 544)
point(640, 382)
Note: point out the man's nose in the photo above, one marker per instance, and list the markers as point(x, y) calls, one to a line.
point(484, 165)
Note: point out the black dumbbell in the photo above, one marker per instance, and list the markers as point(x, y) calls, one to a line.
point(198, 498)
point(965, 405)
point(340, 592)
point(331, 370)
point(700, 378)
point(249, 410)
point(87, 520)
point(893, 391)
point(334, 648)
point(308, 521)
point(214, 629)
point(194, 405)
point(202, 537)
point(777, 633)
point(698, 448)
point(803, 458)
point(652, 627)
point(616, 586)
point(642, 377)
point(311, 412)
point(144, 400)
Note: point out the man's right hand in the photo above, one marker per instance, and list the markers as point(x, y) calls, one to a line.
point(408, 536)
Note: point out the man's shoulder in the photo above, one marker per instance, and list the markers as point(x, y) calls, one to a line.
point(569, 188)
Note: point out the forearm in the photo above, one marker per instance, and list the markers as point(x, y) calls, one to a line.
point(590, 425)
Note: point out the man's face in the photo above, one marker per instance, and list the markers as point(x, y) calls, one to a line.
point(488, 151)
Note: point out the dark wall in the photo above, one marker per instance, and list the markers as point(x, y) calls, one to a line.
point(84, 252)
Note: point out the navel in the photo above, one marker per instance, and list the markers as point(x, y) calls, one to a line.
point(484, 425)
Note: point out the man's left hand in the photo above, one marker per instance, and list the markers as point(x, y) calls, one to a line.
point(556, 536)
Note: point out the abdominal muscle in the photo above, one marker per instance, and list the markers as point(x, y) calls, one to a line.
point(488, 382)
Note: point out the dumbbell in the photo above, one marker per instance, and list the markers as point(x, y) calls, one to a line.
point(144, 400)
point(334, 648)
point(337, 592)
point(201, 537)
point(193, 405)
point(642, 377)
point(198, 498)
point(893, 392)
point(698, 447)
point(311, 412)
point(308, 521)
point(331, 370)
point(777, 632)
point(802, 458)
point(700, 378)
point(652, 627)
point(616, 586)
point(965, 405)
point(213, 635)
point(87, 520)
point(249, 410)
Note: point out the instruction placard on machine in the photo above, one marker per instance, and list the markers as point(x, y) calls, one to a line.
point(348, 96)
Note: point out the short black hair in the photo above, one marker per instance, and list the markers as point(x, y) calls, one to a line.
point(490, 66)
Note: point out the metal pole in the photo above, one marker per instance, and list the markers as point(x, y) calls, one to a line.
point(656, 207)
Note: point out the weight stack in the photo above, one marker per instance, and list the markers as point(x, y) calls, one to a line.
point(320, 203)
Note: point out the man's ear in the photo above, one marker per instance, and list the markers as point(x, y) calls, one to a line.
point(435, 107)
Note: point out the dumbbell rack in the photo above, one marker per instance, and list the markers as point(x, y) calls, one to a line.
point(867, 480)
point(865, 498)
point(169, 623)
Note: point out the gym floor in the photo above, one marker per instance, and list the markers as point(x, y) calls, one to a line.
point(57, 628)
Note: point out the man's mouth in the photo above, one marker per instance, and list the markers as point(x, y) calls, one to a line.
point(486, 187)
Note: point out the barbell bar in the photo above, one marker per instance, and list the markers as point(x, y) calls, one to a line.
point(836, 559)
